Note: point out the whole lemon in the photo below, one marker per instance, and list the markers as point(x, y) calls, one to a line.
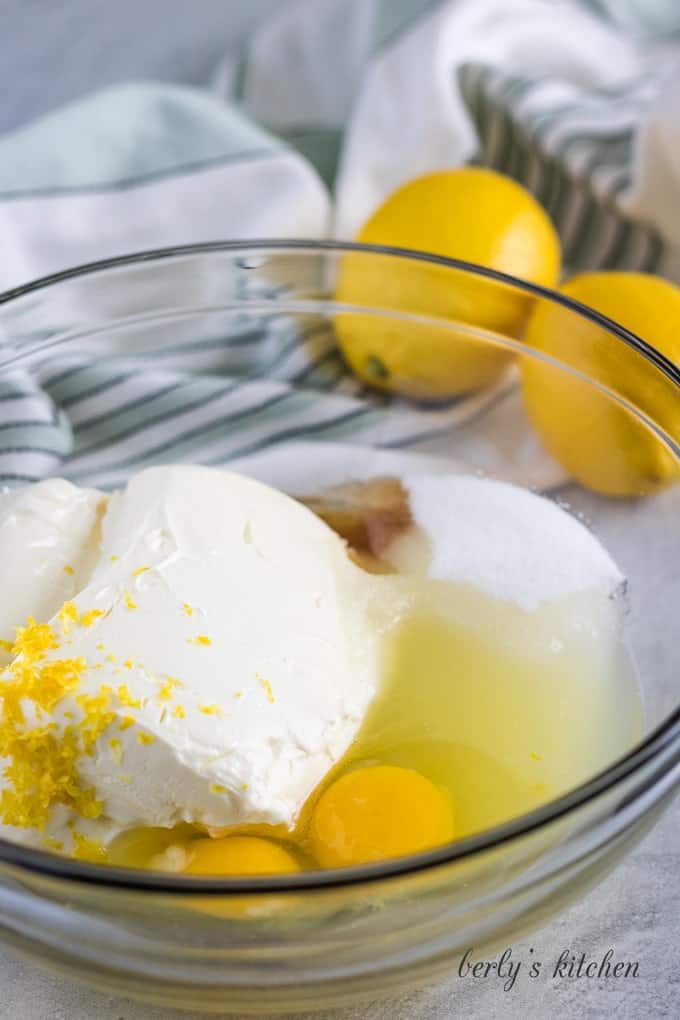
point(599, 442)
point(468, 213)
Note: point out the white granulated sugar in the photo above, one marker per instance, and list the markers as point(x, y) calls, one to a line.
point(511, 543)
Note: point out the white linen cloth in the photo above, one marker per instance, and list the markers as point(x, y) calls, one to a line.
point(333, 104)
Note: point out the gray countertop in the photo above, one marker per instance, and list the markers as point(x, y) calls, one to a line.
point(52, 53)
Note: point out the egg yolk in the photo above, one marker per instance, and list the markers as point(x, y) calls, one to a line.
point(376, 812)
point(239, 855)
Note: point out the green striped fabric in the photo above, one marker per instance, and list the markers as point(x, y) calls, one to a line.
point(333, 104)
point(95, 421)
point(574, 150)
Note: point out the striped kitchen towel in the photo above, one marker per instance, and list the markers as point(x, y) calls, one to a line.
point(334, 104)
point(577, 99)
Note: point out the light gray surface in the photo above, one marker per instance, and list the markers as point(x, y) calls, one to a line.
point(54, 52)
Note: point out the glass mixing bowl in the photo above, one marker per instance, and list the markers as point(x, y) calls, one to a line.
point(261, 320)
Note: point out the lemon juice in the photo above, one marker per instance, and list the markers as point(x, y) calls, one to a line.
point(503, 708)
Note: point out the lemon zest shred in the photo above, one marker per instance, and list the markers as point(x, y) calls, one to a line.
point(267, 688)
point(211, 710)
point(42, 763)
point(126, 698)
point(166, 691)
point(88, 618)
point(86, 849)
point(97, 716)
point(50, 843)
point(67, 615)
point(34, 640)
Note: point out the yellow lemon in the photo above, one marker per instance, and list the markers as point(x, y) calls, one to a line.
point(601, 444)
point(377, 812)
point(468, 213)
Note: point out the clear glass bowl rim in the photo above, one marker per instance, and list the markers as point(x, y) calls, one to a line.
point(663, 741)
